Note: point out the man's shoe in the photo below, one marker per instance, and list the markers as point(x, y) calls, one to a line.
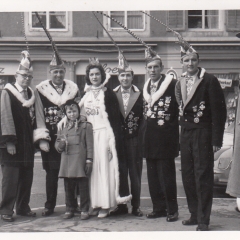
point(27, 214)
point(68, 215)
point(7, 218)
point(172, 217)
point(137, 212)
point(189, 222)
point(47, 212)
point(84, 216)
point(202, 227)
point(156, 214)
point(77, 211)
point(119, 210)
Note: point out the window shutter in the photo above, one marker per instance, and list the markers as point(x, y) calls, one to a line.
point(176, 20)
point(233, 20)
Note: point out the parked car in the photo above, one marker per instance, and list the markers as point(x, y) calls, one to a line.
point(223, 158)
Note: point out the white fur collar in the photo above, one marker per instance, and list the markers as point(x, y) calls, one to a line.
point(134, 87)
point(159, 92)
point(200, 75)
point(25, 103)
point(46, 89)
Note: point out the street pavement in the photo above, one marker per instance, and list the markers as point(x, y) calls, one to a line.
point(223, 217)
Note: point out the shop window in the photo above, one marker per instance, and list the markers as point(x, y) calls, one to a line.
point(133, 20)
point(53, 21)
point(233, 20)
point(203, 19)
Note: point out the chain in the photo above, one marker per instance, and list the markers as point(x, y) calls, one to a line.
point(24, 33)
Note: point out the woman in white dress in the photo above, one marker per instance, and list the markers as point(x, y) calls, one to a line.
point(101, 108)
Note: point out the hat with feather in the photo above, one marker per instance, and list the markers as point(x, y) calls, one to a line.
point(25, 66)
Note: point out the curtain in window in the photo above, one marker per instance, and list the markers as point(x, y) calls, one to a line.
point(35, 21)
point(57, 20)
point(134, 20)
point(118, 15)
point(211, 19)
point(175, 20)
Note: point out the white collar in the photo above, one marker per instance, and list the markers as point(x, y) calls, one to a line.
point(57, 86)
point(128, 90)
point(19, 88)
point(156, 83)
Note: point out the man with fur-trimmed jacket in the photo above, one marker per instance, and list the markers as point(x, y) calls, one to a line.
point(50, 95)
point(202, 117)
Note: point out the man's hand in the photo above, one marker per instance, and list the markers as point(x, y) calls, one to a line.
point(216, 148)
point(88, 168)
point(44, 145)
point(11, 148)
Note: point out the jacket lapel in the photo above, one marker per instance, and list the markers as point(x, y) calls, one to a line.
point(120, 101)
point(183, 90)
point(132, 99)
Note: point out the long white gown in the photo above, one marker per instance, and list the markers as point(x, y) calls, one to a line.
point(102, 182)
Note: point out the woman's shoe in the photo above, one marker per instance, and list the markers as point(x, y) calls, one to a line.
point(94, 212)
point(103, 213)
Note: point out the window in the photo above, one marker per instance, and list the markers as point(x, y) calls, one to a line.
point(133, 20)
point(233, 20)
point(54, 21)
point(176, 20)
point(203, 19)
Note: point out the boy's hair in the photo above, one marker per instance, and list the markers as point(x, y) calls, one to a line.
point(70, 103)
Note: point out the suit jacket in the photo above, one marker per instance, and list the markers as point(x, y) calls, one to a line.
point(204, 107)
point(161, 134)
point(130, 121)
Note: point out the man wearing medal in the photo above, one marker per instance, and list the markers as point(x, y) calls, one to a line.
point(202, 119)
point(161, 138)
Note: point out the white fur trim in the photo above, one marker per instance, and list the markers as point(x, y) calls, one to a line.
point(201, 73)
point(134, 87)
point(51, 94)
point(25, 103)
point(159, 92)
point(108, 76)
point(41, 133)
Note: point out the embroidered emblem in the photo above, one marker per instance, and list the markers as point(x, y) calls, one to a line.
point(194, 108)
point(160, 122)
point(132, 122)
point(196, 120)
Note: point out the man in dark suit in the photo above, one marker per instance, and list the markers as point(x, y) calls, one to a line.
point(161, 138)
point(16, 143)
point(131, 108)
point(202, 119)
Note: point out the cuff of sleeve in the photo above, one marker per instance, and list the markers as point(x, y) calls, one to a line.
point(41, 133)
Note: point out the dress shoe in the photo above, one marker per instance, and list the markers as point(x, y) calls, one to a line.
point(119, 210)
point(103, 213)
point(77, 211)
point(202, 227)
point(189, 222)
point(47, 212)
point(68, 215)
point(7, 218)
point(236, 208)
point(27, 214)
point(137, 212)
point(94, 212)
point(156, 214)
point(84, 216)
point(172, 217)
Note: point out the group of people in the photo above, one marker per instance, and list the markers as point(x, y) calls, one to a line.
point(96, 141)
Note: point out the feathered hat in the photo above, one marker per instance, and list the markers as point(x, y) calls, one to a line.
point(56, 62)
point(123, 65)
point(25, 66)
point(150, 55)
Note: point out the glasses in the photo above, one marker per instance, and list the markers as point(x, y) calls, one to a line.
point(26, 76)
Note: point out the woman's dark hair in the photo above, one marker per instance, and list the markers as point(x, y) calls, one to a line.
point(101, 69)
point(68, 104)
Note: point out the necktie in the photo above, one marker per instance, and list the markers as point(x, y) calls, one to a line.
point(125, 96)
point(59, 89)
point(153, 89)
point(189, 84)
point(24, 94)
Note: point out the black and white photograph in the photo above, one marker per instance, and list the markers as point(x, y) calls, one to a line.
point(117, 119)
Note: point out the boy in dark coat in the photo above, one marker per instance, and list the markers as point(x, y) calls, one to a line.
point(202, 119)
point(161, 138)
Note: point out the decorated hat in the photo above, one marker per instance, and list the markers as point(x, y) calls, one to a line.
point(25, 66)
point(94, 61)
point(151, 55)
point(123, 65)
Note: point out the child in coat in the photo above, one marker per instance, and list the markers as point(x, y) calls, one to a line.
point(75, 143)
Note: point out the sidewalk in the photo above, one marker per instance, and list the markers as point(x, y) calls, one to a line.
point(223, 218)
